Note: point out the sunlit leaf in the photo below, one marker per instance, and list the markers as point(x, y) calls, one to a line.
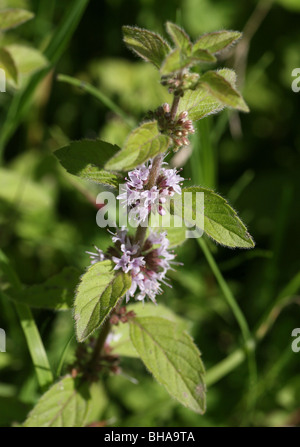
point(13, 17)
point(27, 60)
point(120, 341)
point(216, 41)
point(171, 356)
point(99, 291)
point(221, 221)
point(143, 143)
point(223, 91)
point(8, 64)
point(148, 45)
point(178, 60)
point(69, 403)
point(179, 36)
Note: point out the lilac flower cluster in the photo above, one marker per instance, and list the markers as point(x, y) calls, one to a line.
point(177, 129)
point(147, 266)
point(140, 200)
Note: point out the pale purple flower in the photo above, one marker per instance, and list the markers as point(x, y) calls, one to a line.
point(96, 257)
point(140, 200)
point(147, 267)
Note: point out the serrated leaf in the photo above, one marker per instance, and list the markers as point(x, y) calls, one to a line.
point(8, 64)
point(120, 341)
point(201, 102)
point(86, 159)
point(56, 293)
point(13, 17)
point(99, 291)
point(179, 36)
point(229, 75)
point(143, 143)
point(223, 91)
point(68, 403)
point(178, 60)
point(148, 45)
point(173, 359)
point(27, 60)
point(221, 221)
point(216, 41)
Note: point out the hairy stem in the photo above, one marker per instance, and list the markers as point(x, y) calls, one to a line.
point(154, 173)
point(100, 343)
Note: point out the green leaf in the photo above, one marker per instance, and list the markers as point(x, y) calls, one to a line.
point(143, 143)
point(86, 159)
point(202, 102)
point(229, 75)
point(13, 17)
point(221, 222)
point(68, 403)
point(177, 60)
point(99, 291)
point(27, 60)
point(7, 62)
point(199, 103)
point(179, 36)
point(216, 41)
point(56, 293)
point(120, 341)
point(223, 91)
point(148, 45)
point(173, 359)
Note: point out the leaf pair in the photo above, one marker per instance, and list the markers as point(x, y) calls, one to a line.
point(101, 162)
point(167, 351)
point(153, 48)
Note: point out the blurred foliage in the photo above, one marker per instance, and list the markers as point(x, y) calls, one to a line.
point(47, 218)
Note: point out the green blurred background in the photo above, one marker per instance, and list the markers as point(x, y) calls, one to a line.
point(47, 218)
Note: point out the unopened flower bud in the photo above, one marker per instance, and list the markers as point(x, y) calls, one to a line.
point(166, 107)
point(183, 115)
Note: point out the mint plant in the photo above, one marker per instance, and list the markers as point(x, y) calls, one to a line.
point(135, 267)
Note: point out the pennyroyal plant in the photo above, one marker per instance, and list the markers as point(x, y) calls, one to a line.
point(136, 265)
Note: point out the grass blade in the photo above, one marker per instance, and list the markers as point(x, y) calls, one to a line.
point(22, 100)
point(31, 332)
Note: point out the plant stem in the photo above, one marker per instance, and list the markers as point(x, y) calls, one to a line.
point(154, 173)
point(153, 176)
point(174, 107)
point(100, 343)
